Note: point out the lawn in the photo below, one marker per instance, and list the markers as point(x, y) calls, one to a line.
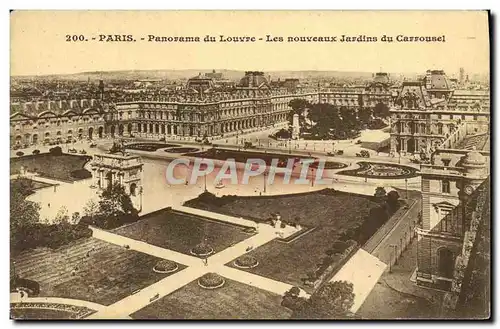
point(38, 314)
point(331, 213)
point(182, 149)
point(149, 147)
point(58, 167)
point(181, 232)
point(104, 273)
point(233, 301)
point(243, 156)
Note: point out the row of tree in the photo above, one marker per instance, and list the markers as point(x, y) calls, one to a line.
point(333, 300)
point(327, 121)
point(114, 209)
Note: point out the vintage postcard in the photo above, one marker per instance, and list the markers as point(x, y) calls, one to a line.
point(250, 165)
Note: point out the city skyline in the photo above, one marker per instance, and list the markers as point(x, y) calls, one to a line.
point(464, 31)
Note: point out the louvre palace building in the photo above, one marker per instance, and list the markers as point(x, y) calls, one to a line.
point(210, 106)
point(428, 111)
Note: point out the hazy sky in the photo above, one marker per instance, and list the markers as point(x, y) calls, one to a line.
point(38, 44)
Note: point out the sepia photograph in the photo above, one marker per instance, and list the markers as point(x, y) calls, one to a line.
point(250, 165)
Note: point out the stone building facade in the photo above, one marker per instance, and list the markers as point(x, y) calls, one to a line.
point(427, 112)
point(447, 185)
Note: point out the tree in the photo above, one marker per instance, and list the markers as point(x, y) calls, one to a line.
point(23, 213)
point(393, 200)
point(364, 115)
point(381, 110)
point(380, 192)
point(334, 300)
point(298, 106)
point(115, 208)
point(62, 216)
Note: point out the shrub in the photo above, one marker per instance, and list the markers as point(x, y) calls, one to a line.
point(211, 280)
point(246, 261)
point(19, 153)
point(393, 200)
point(165, 266)
point(35, 152)
point(81, 174)
point(380, 192)
point(202, 249)
point(32, 287)
point(56, 150)
point(51, 236)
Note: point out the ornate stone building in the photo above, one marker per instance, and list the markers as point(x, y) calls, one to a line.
point(126, 170)
point(458, 166)
point(44, 122)
point(427, 112)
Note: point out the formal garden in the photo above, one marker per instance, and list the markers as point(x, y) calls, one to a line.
point(381, 171)
point(180, 150)
point(91, 270)
point(149, 147)
point(338, 222)
point(184, 233)
point(233, 300)
point(54, 165)
point(243, 156)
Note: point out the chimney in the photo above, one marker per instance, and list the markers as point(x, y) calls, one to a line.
point(428, 80)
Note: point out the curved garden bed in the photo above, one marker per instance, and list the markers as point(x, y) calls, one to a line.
point(182, 150)
point(149, 147)
point(211, 281)
point(246, 261)
point(335, 165)
point(202, 250)
point(381, 171)
point(165, 266)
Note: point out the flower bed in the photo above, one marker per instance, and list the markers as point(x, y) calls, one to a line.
point(211, 281)
point(182, 150)
point(165, 266)
point(48, 311)
point(202, 250)
point(246, 261)
point(381, 171)
point(149, 147)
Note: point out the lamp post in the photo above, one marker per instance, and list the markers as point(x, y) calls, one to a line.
point(140, 198)
point(265, 175)
point(406, 187)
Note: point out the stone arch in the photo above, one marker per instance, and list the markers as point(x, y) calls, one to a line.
point(121, 128)
point(91, 132)
point(129, 128)
point(35, 139)
point(133, 189)
point(100, 131)
point(112, 130)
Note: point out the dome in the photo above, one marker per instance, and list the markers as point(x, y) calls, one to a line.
point(253, 79)
point(474, 158)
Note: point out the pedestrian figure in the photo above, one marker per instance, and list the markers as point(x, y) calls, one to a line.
point(49, 205)
point(205, 261)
